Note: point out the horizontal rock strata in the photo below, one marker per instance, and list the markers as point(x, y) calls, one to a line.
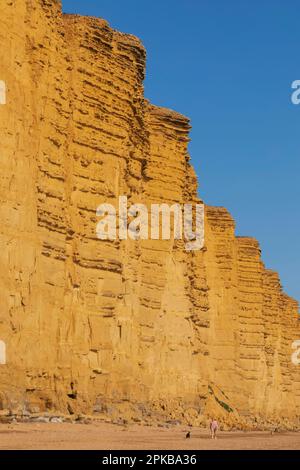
point(143, 330)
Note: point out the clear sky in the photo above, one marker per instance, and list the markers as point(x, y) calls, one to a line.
point(229, 66)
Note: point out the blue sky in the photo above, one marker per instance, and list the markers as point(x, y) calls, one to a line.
point(229, 65)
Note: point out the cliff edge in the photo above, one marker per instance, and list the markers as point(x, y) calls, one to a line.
point(145, 331)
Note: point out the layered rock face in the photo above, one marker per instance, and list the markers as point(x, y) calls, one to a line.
point(141, 329)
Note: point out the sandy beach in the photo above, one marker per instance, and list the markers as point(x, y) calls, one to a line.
point(102, 436)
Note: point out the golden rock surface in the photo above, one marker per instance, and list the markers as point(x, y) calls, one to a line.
point(144, 331)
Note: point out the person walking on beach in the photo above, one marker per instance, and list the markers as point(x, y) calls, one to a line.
point(214, 426)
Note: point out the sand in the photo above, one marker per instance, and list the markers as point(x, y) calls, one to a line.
point(98, 436)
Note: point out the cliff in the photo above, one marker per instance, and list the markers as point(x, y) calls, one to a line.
point(142, 330)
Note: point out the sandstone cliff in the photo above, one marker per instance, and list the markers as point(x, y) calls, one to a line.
point(144, 330)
